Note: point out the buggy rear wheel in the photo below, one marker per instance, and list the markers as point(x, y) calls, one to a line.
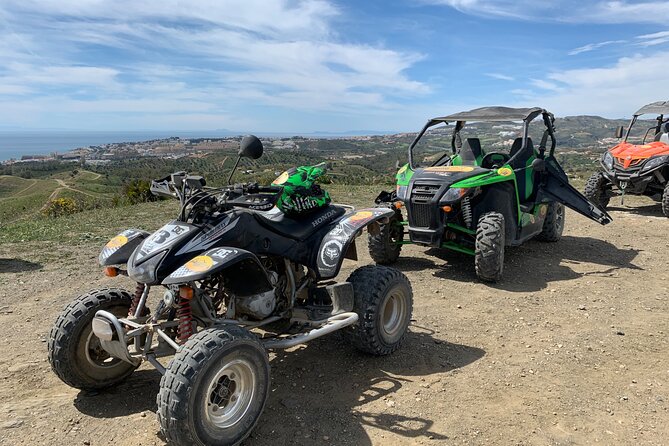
point(385, 246)
point(553, 223)
point(598, 189)
point(489, 247)
point(75, 353)
point(383, 300)
point(214, 390)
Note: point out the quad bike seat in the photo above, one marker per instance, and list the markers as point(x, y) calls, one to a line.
point(471, 151)
point(298, 228)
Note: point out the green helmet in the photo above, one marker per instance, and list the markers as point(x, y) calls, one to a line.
point(301, 194)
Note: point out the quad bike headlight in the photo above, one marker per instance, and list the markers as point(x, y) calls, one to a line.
point(146, 271)
point(454, 194)
point(655, 161)
point(607, 160)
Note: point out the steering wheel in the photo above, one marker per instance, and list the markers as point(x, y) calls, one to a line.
point(494, 159)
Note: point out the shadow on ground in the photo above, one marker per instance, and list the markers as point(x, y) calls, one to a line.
point(318, 391)
point(136, 395)
point(532, 266)
point(18, 266)
point(645, 210)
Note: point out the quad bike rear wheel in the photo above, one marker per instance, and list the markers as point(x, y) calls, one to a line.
point(665, 200)
point(598, 190)
point(385, 246)
point(75, 353)
point(553, 223)
point(383, 300)
point(489, 247)
point(214, 389)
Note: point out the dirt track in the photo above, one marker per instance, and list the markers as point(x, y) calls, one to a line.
point(571, 348)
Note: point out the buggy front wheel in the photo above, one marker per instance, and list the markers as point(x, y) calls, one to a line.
point(489, 247)
point(598, 190)
point(386, 244)
point(214, 389)
point(665, 200)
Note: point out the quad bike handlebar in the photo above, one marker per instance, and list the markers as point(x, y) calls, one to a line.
point(195, 197)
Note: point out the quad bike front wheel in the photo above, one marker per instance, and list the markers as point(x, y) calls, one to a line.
point(665, 200)
point(489, 247)
point(553, 223)
point(75, 353)
point(383, 300)
point(214, 389)
point(385, 246)
point(598, 190)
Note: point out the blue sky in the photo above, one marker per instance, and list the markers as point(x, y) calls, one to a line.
point(321, 65)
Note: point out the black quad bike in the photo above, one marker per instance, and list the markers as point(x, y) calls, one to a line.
point(477, 201)
point(636, 168)
point(229, 263)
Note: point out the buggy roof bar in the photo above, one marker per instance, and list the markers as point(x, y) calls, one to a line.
point(656, 108)
point(494, 114)
point(491, 114)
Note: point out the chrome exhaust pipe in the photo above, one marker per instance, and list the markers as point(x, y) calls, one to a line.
point(332, 324)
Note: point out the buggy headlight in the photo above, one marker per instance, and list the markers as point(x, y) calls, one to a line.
point(607, 160)
point(454, 194)
point(401, 192)
point(655, 161)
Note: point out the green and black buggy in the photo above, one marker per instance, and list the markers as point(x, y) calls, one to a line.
point(478, 201)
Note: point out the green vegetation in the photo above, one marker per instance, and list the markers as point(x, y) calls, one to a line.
point(98, 225)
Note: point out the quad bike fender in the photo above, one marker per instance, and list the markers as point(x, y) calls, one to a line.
point(339, 243)
point(118, 250)
point(242, 271)
point(555, 187)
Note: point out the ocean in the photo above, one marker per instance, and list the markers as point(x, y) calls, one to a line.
point(15, 143)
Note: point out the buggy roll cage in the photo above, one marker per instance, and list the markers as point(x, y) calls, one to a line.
point(493, 114)
point(659, 108)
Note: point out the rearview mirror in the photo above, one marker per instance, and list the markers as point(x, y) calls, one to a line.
point(250, 147)
point(619, 131)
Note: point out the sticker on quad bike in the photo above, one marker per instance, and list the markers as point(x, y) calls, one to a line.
point(202, 263)
point(335, 243)
point(163, 237)
point(118, 242)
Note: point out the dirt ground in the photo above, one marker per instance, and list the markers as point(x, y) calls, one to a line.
point(571, 348)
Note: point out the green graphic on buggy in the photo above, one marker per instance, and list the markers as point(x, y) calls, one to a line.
point(300, 193)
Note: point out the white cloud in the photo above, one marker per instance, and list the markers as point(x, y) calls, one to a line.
point(208, 55)
point(570, 11)
point(502, 77)
point(593, 46)
point(654, 38)
point(614, 91)
point(544, 85)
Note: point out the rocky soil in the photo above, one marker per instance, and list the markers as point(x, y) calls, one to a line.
point(570, 348)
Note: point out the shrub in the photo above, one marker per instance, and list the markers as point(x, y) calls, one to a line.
point(60, 206)
point(138, 191)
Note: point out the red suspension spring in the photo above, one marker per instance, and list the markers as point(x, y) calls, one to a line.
point(139, 290)
point(185, 317)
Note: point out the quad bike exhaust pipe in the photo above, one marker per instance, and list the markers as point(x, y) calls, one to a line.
point(333, 323)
